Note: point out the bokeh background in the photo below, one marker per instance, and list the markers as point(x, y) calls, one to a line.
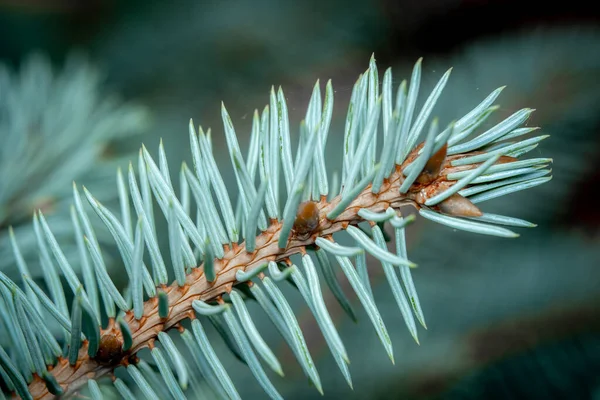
point(506, 318)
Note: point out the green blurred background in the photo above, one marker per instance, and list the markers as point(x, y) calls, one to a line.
point(506, 318)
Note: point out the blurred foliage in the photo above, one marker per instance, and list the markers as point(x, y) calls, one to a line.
point(56, 127)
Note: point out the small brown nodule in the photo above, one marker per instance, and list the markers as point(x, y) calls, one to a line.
point(459, 206)
point(307, 218)
point(110, 351)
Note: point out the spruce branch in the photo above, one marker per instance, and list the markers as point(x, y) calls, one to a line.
point(219, 261)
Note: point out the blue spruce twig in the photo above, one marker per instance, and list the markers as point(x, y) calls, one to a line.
point(230, 255)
